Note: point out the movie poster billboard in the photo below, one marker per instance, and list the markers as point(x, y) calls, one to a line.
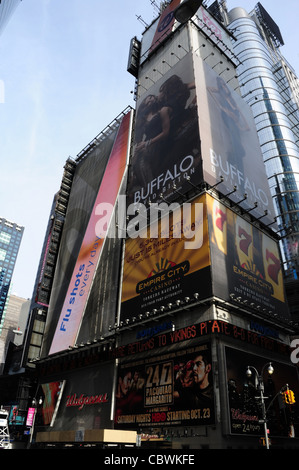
point(92, 243)
point(166, 146)
point(229, 143)
point(245, 261)
point(245, 409)
point(161, 270)
point(163, 392)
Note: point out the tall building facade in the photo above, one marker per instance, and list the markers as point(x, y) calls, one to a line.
point(16, 317)
point(270, 86)
point(7, 8)
point(167, 278)
point(10, 240)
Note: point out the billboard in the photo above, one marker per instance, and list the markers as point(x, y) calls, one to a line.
point(165, 24)
point(161, 270)
point(49, 396)
point(92, 244)
point(159, 30)
point(174, 391)
point(166, 138)
point(213, 29)
point(229, 144)
point(245, 261)
point(84, 401)
point(244, 408)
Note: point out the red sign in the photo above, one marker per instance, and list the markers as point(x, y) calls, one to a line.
point(82, 400)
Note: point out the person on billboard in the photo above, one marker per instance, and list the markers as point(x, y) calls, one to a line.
point(151, 134)
point(203, 388)
point(232, 120)
point(175, 94)
point(129, 392)
point(160, 121)
point(193, 387)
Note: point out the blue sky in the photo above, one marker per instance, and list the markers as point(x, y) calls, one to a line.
point(63, 66)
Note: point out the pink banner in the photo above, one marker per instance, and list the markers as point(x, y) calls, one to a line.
point(81, 281)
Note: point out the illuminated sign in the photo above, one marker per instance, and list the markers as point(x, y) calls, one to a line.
point(152, 331)
point(30, 416)
point(82, 400)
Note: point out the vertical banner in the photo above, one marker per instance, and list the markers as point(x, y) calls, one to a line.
point(229, 143)
point(165, 24)
point(81, 281)
point(166, 140)
point(245, 261)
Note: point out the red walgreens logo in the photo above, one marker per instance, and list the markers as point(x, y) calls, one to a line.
point(83, 400)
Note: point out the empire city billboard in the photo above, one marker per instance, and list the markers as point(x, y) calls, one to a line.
point(245, 261)
point(85, 268)
point(162, 270)
point(234, 258)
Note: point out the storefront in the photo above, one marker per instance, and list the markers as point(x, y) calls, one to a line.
point(178, 388)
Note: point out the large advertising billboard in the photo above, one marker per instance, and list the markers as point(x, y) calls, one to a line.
point(92, 244)
point(166, 391)
point(245, 409)
point(234, 259)
point(81, 402)
point(162, 270)
point(166, 138)
point(229, 144)
point(245, 261)
point(159, 30)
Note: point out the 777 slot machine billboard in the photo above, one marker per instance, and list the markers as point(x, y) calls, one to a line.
point(247, 260)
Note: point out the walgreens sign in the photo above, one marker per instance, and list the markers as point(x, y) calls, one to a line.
point(82, 400)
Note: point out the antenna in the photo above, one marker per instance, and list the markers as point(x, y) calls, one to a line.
point(155, 5)
point(142, 20)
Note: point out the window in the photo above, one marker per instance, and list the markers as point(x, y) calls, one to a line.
point(2, 254)
point(5, 237)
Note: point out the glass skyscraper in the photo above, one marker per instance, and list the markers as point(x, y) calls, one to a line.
point(7, 8)
point(10, 240)
point(270, 86)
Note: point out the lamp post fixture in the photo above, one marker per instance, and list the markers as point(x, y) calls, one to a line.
point(16, 332)
point(186, 10)
point(259, 385)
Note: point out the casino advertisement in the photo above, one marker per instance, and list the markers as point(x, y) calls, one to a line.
point(166, 144)
point(161, 270)
point(172, 389)
point(247, 258)
point(244, 408)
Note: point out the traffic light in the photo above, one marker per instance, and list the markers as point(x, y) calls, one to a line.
point(292, 397)
point(289, 397)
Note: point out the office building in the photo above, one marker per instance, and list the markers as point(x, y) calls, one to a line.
point(15, 320)
point(170, 317)
point(7, 8)
point(270, 86)
point(10, 240)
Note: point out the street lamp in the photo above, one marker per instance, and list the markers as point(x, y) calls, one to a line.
point(259, 385)
point(16, 332)
point(186, 10)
